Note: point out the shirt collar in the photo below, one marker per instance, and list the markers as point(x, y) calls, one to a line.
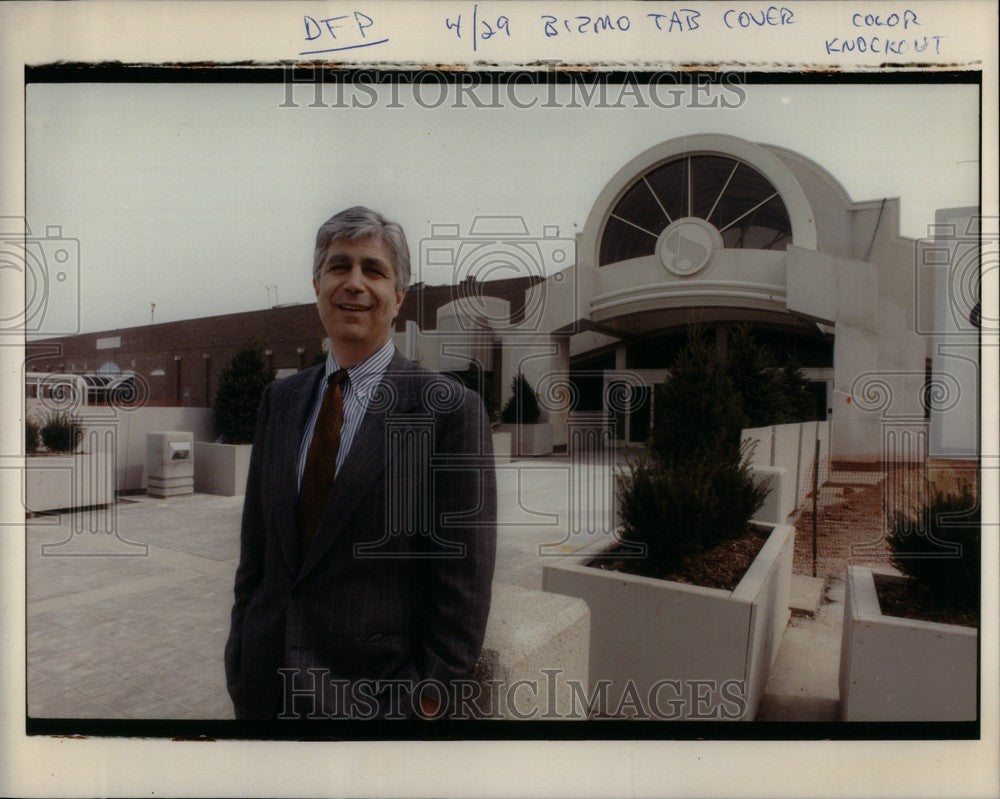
point(363, 377)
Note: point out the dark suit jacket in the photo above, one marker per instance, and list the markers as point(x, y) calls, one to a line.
point(396, 585)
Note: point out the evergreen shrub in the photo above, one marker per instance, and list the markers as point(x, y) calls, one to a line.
point(241, 386)
point(61, 432)
point(770, 394)
point(940, 548)
point(694, 488)
point(522, 407)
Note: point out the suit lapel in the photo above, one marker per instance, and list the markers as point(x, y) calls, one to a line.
point(367, 459)
point(294, 416)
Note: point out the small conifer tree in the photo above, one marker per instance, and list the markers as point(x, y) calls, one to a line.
point(697, 410)
point(800, 406)
point(694, 489)
point(522, 407)
point(477, 379)
point(770, 394)
point(755, 378)
point(241, 386)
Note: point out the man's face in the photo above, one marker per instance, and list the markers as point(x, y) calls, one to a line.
point(357, 298)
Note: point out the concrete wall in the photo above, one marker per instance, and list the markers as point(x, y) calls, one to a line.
point(111, 430)
point(221, 468)
point(503, 443)
point(894, 669)
point(879, 355)
point(791, 447)
point(767, 585)
point(645, 631)
point(527, 440)
point(954, 263)
point(780, 501)
point(54, 482)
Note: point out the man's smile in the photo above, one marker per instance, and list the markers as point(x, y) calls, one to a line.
point(356, 297)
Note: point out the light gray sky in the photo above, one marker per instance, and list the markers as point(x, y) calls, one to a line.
point(197, 197)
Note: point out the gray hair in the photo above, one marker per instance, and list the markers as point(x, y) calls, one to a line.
point(360, 223)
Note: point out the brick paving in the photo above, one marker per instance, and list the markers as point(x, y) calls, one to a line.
point(851, 526)
point(115, 632)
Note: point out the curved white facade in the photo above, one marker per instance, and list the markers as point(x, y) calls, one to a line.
point(842, 278)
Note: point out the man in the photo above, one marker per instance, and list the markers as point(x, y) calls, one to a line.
point(368, 535)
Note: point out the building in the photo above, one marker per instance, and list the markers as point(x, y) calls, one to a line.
point(716, 230)
point(708, 229)
point(179, 363)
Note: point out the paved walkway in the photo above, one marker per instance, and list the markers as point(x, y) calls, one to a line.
point(132, 623)
point(803, 684)
point(132, 635)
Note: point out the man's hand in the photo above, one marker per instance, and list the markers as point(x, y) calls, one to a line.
point(429, 706)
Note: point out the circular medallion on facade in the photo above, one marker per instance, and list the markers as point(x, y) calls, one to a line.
point(686, 245)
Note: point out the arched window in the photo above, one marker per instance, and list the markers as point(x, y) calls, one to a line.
point(729, 194)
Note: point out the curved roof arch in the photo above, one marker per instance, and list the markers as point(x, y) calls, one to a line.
point(765, 188)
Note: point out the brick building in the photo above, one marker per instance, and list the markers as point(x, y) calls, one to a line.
point(179, 363)
point(704, 229)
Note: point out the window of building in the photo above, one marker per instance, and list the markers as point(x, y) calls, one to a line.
point(738, 200)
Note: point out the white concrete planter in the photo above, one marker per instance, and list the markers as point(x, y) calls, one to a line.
point(502, 443)
point(528, 440)
point(779, 503)
point(56, 482)
point(895, 669)
point(221, 468)
point(686, 651)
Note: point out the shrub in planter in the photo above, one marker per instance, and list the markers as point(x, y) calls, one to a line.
point(694, 490)
point(697, 407)
point(770, 394)
point(940, 549)
point(799, 403)
point(676, 512)
point(522, 407)
point(32, 435)
point(61, 432)
point(241, 386)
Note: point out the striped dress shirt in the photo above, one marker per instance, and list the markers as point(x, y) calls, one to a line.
point(362, 380)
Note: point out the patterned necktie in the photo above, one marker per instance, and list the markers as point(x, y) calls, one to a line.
point(321, 462)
